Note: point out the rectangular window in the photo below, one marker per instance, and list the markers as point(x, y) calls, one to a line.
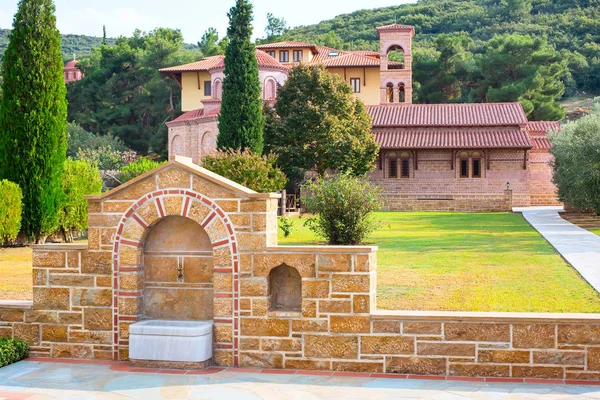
point(476, 168)
point(393, 169)
point(284, 56)
point(271, 53)
point(207, 88)
point(297, 55)
point(355, 84)
point(464, 168)
point(404, 169)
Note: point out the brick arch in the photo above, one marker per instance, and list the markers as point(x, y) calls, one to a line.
point(394, 47)
point(127, 258)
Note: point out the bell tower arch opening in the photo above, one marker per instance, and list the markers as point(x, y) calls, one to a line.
point(395, 42)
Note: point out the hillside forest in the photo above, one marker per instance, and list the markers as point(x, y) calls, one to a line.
point(536, 52)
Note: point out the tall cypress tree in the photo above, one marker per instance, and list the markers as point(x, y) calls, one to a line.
point(241, 122)
point(33, 115)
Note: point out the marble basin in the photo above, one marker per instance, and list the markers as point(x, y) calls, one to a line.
point(170, 340)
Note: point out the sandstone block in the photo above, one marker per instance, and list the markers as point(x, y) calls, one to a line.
point(386, 327)
point(416, 365)
point(223, 282)
point(251, 241)
point(91, 297)
point(96, 337)
point(50, 298)
point(446, 349)
point(133, 230)
point(49, 259)
point(294, 363)
point(350, 283)
point(174, 178)
point(6, 331)
point(97, 262)
point(350, 324)
point(40, 276)
point(310, 325)
point(315, 289)
point(254, 206)
point(198, 211)
point(365, 262)
point(71, 280)
point(148, 212)
point(97, 319)
point(46, 317)
point(309, 308)
point(223, 358)
point(331, 346)
point(222, 257)
point(12, 315)
point(131, 281)
point(228, 206)
point(504, 356)
point(104, 281)
point(335, 306)
point(593, 358)
point(73, 259)
point(138, 190)
point(103, 220)
point(578, 334)
point(160, 269)
point(130, 256)
point(249, 344)
point(261, 360)
point(116, 206)
point(253, 287)
point(173, 205)
point(467, 369)
point(334, 263)
point(265, 327)
point(210, 190)
point(519, 371)
point(216, 230)
point(560, 357)
point(387, 345)
point(282, 344)
point(54, 333)
point(79, 351)
point(223, 334)
point(422, 328)
point(29, 333)
point(223, 308)
point(359, 366)
point(534, 336)
point(240, 220)
point(130, 306)
point(259, 307)
point(71, 318)
point(163, 303)
point(304, 263)
point(361, 303)
point(477, 332)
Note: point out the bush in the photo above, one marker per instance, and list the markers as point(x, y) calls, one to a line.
point(106, 158)
point(80, 178)
point(576, 150)
point(341, 205)
point(286, 225)
point(79, 138)
point(249, 169)
point(11, 208)
point(137, 168)
point(12, 350)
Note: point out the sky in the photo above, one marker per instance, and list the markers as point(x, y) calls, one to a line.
point(193, 17)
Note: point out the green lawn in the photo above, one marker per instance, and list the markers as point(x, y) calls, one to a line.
point(15, 273)
point(468, 262)
point(596, 231)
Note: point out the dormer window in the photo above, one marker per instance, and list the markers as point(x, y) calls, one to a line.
point(284, 56)
point(271, 53)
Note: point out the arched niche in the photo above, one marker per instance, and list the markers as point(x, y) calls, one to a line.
point(178, 271)
point(177, 145)
point(395, 53)
point(285, 289)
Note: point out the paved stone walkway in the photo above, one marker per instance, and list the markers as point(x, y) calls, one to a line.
point(578, 246)
point(33, 380)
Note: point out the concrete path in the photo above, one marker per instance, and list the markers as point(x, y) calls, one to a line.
point(33, 380)
point(579, 247)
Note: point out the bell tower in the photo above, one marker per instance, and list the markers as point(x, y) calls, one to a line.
point(396, 63)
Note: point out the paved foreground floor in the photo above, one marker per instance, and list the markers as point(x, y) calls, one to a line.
point(580, 247)
point(48, 380)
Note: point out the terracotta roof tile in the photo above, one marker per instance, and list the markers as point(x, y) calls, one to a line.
point(541, 143)
point(543, 126)
point(71, 65)
point(367, 53)
point(196, 114)
point(289, 45)
point(465, 115)
point(453, 139)
point(209, 63)
point(395, 27)
point(351, 60)
point(266, 61)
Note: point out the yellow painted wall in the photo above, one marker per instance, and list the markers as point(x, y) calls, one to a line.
point(191, 95)
point(307, 55)
point(369, 93)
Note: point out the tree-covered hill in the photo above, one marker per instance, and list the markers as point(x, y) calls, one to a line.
point(569, 24)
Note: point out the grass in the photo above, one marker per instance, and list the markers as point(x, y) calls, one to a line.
point(15, 273)
point(468, 262)
point(588, 221)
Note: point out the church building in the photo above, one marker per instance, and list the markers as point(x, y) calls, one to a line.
point(442, 157)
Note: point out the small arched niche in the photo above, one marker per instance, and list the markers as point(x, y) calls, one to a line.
point(395, 53)
point(178, 271)
point(389, 92)
point(285, 289)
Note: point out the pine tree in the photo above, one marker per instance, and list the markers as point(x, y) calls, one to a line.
point(33, 116)
point(241, 122)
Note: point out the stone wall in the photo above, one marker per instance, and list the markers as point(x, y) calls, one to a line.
point(86, 296)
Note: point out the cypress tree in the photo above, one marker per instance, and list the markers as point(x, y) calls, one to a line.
point(33, 114)
point(241, 122)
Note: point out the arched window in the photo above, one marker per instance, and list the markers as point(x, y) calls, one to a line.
point(476, 164)
point(218, 89)
point(285, 289)
point(395, 55)
point(390, 92)
point(464, 164)
point(270, 89)
point(401, 93)
point(393, 165)
point(405, 165)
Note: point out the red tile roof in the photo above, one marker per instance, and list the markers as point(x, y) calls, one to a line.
point(289, 45)
point(394, 27)
point(367, 53)
point(206, 64)
point(465, 115)
point(351, 60)
point(196, 114)
point(541, 143)
point(543, 126)
point(71, 65)
point(453, 139)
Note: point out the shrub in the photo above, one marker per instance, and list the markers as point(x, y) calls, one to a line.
point(80, 178)
point(137, 168)
point(11, 208)
point(286, 225)
point(12, 350)
point(576, 150)
point(341, 205)
point(106, 158)
point(249, 169)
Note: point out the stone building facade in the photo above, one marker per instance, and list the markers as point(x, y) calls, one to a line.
point(183, 243)
point(423, 146)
